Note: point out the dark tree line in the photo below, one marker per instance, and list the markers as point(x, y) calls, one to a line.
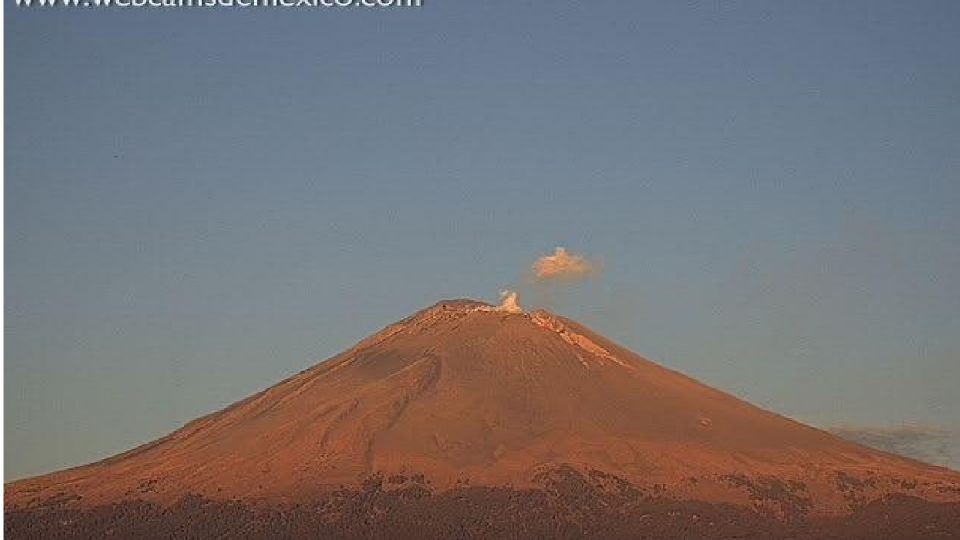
point(568, 506)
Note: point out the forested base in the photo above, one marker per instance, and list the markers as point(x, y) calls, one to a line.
point(568, 507)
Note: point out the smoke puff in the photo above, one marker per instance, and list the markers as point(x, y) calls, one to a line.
point(562, 266)
point(509, 302)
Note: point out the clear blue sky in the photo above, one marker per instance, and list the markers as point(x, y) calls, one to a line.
point(200, 203)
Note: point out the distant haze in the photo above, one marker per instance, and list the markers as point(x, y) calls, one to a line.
point(931, 445)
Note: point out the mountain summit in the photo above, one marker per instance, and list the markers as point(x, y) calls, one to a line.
point(464, 396)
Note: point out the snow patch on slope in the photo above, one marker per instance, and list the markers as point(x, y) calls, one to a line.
point(549, 322)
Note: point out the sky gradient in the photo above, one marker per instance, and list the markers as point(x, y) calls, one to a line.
point(201, 203)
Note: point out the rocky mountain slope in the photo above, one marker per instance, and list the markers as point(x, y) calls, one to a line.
point(466, 398)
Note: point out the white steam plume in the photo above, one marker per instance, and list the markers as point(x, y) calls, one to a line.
point(509, 302)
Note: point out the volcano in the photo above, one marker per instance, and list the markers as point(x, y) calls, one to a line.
point(466, 420)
